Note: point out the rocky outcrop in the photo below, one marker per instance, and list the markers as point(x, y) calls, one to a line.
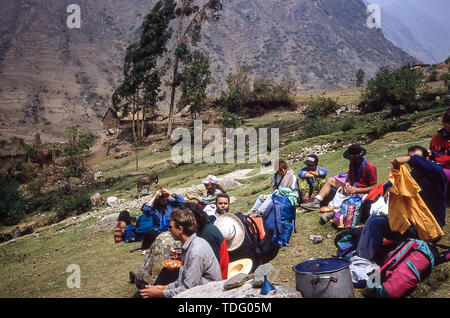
point(216, 290)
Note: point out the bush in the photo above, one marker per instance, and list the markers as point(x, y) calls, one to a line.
point(12, 201)
point(318, 126)
point(348, 123)
point(78, 202)
point(321, 106)
point(393, 88)
point(232, 120)
point(433, 76)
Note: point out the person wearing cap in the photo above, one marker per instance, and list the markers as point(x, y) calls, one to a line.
point(312, 177)
point(199, 265)
point(213, 189)
point(362, 177)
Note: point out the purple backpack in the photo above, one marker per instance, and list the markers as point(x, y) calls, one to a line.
point(348, 216)
point(404, 268)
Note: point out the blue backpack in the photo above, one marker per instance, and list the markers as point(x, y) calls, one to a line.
point(280, 218)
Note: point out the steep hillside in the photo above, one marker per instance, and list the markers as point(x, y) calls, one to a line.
point(52, 76)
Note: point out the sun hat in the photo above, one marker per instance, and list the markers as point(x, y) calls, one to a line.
point(210, 179)
point(243, 265)
point(232, 230)
point(354, 151)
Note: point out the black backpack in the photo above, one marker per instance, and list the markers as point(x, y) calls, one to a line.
point(260, 251)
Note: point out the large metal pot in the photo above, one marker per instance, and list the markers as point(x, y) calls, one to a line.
point(324, 278)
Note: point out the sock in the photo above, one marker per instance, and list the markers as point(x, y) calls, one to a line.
point(319, 197)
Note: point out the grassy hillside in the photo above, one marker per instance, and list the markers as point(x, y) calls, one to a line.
point(35, 265)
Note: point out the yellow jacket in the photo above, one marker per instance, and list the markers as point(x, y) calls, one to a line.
point(406, 207)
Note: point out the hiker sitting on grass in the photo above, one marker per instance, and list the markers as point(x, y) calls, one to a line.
point(221, 207)
point(362, 177)
point(213, 189)
point(122, 222)
point(283, 178)
point(432, 184)
point(312, 178)
point(156, 216)
point(130, 231)
point(199, 265)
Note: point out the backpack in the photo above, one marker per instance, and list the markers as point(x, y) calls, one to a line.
point(349, 214)
point(404, 268)
point(347, 242)
point(280, 219)
point(260, 251)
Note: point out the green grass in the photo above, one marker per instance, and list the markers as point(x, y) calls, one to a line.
point(36, 266)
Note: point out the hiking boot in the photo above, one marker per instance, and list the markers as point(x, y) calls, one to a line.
point(312, 205)
point(325, 217)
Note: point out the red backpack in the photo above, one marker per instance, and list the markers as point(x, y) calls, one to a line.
point(403, 269)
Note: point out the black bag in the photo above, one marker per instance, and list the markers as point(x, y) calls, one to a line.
point(260, 251)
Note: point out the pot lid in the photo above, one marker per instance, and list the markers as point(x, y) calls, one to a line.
point(321, 265)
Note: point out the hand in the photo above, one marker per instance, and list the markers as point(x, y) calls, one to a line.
point(166, 192)
point(151, 292)
point(397, 162)
point(387, 194)
point(200, 192)
point(263, 199)
point(191, 197)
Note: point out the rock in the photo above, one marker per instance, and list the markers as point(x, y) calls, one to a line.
point(236, 281)
point(112, 201)
point(316, 238)
point(158, 252)
point(122, 155)
point(264, 270)
point(216, 290)
point(106, 223)
point(98, 175)
point(228, 184)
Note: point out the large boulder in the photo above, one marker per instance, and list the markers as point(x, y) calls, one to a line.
point(158, 252)
point(216, 290)
point(106, 223)
point(112, 201)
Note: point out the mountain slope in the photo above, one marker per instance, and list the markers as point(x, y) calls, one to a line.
point(52, 76)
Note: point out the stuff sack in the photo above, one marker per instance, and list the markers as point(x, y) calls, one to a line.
point(280, 219)
point(348, 216)
point(404, 268)
point(339, 197)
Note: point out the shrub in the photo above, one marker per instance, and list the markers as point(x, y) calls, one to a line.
point(12, 201)
point(232, 120)
point(321, 106)
point(433, 76)
point(318, 126)
point(393, 88)
point(348, 123)
point(78, 202)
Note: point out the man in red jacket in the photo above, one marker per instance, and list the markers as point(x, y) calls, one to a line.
point(362, 177)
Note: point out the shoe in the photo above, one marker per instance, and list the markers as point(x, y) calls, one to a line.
point(311, 205)
point(132, 277)
point(136, 247)
point(325, 217)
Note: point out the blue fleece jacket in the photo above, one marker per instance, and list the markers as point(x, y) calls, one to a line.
point(157, 218)
point(130, 232)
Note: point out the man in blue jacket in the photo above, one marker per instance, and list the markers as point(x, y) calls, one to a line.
point(312, 177)
point(155, 216)
point(431, 179)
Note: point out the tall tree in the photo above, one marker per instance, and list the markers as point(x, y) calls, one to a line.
point(196, 76)
point(191, 15)
point(360, 77)
point(143, 69)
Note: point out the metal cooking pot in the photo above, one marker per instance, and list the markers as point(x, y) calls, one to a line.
point(324, 278)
